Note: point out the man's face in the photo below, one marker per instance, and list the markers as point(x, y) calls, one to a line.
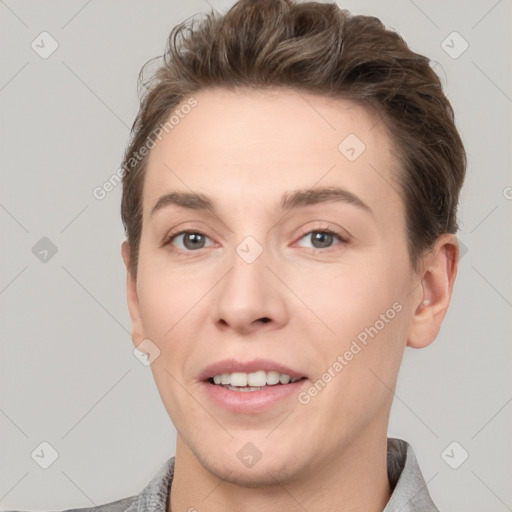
point(253, 280)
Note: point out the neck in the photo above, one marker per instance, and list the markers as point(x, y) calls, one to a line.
point(353, 480)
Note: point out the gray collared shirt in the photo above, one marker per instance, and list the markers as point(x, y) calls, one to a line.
point(409, 490)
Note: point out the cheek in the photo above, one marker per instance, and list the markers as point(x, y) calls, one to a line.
point(174, 307)
point(348, 299)
point(355, 364)
point(170, 321)
point(363, 329)
point(167, 299)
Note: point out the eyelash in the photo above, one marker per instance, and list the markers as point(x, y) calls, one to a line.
point(342, 239)
point(327, 231)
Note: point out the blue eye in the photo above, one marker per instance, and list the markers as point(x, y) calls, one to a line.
point(191, 241)
point(323, 238)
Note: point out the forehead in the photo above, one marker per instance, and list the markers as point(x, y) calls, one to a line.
point(261, 143)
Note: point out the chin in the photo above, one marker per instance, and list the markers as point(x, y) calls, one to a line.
point(266, 472)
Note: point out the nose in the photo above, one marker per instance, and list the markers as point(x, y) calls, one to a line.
point(250, 297)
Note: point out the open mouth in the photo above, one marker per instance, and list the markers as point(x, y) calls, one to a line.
point(254, 381)
point(251, 387)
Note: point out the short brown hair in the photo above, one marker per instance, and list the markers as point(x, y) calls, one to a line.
point(322, 49)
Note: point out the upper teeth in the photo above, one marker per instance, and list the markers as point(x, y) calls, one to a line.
point(256, 379)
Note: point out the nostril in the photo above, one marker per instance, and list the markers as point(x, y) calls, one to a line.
point(265, 319)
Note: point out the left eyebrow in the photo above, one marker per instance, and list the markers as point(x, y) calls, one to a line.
point(306, 197)
point(290, 200)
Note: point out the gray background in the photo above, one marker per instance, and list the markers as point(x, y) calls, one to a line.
point(68, 373)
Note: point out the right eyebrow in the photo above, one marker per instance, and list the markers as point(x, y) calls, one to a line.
point(190, 200)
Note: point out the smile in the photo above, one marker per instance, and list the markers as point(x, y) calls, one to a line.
point(250, 387)
point(254, 381)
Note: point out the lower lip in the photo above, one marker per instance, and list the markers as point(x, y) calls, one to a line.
point(247, 402)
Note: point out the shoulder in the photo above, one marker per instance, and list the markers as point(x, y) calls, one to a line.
point(123, 505)
point(155, 494)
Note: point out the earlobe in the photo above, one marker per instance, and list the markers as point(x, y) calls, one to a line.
point(435, 291)
point(125, 253)
point(132, 297)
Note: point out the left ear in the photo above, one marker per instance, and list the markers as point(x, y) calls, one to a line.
point(439, 270)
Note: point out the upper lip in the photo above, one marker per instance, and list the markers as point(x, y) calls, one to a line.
point(254, 365)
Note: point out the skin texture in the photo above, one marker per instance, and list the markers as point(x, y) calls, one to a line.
point(245, 149)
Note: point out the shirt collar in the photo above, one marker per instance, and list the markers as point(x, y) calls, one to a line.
point(409, 490)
